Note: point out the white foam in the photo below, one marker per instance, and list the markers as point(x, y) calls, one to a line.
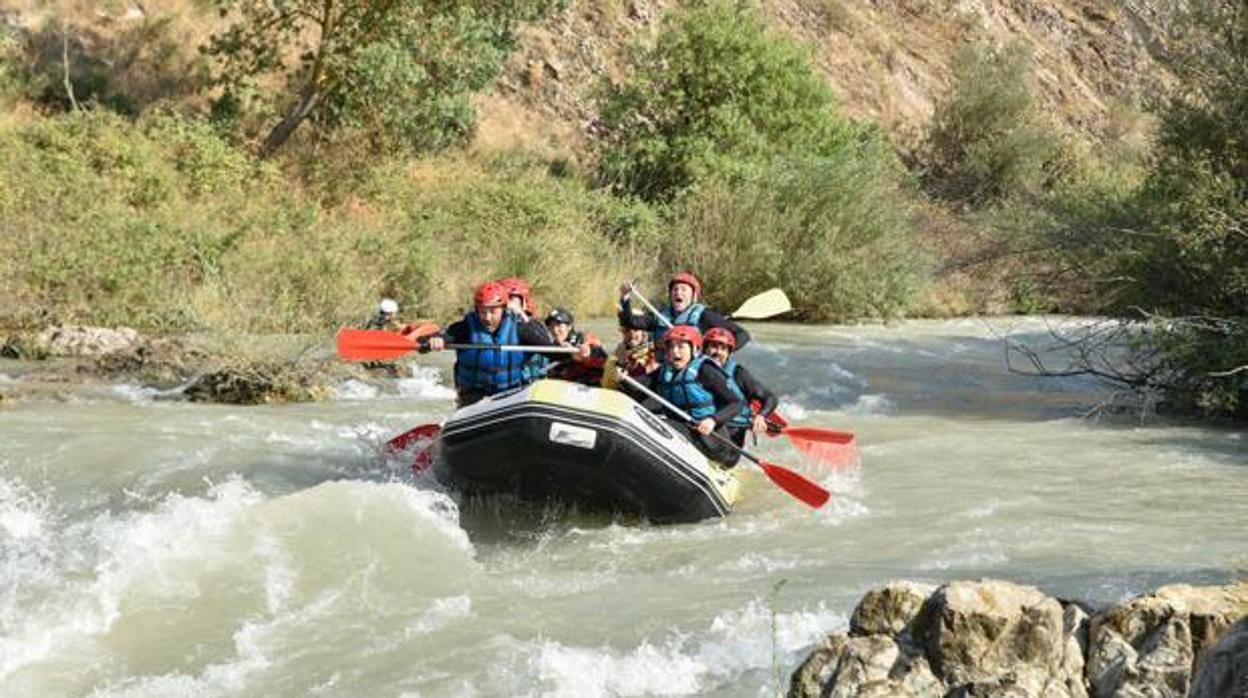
point(792, 410)
point(22, 514)
point(737, 642)
point(445, 611)
point(353, 389)
point(140, 551)
point(425, 383)
point(871, 404)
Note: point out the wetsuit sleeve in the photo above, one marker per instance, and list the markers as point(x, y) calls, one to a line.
point(755, 390)
point(715, 380)
point(655, 323)
point(710, 319)
point(533, 334)
point(455, 333)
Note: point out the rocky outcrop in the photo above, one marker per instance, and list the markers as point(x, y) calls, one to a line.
point(889, 62)
point(1151, 644)
point(260, 382)
point(1224, 671)
point(997, 638)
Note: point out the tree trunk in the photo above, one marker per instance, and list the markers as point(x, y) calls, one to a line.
point(307, 102)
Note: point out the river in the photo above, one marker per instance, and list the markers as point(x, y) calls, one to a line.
point(151, 547)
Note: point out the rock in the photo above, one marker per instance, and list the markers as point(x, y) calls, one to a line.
point(1223, 671)
point(77, 340)
point(890, 609)
point(858, 667)
point(998, 638)
point(260, 382)
point(1150, 644)
point(986, 638)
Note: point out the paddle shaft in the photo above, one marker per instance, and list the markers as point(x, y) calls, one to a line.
point(516, 347)
point(683, 414)
point(632, 291)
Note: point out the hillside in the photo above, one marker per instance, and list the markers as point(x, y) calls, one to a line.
point(887, 60)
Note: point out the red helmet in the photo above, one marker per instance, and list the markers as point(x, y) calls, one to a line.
point(684, 333)
point(685, 277)
point(488, 294)
point(724, 337)
point(516, 286)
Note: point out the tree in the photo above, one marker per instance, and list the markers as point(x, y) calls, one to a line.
point(400, 69)
point(718, 93)
point(987, 141)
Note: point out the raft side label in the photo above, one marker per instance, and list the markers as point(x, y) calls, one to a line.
point(571, 435)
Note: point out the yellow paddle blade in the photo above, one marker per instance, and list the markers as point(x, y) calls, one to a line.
point(764, 305)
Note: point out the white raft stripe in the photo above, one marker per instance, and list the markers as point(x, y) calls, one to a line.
point(689, 472)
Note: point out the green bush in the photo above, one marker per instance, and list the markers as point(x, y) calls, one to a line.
point(465, 222)
point(718, 94)
point(987, 142)
point(163, 225)
point(835, 233)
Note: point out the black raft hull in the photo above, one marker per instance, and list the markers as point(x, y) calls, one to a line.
point(596, 449)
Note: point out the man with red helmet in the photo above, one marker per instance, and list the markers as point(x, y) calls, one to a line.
point(698, 386)
point(719, 345)
point(483, 372)
point(684, 307)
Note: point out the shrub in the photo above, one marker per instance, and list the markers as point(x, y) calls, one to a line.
point(466, 221)
point(987, 142)
point(835, 233)
point(718, 94)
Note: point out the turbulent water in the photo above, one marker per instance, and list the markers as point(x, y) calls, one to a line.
point(158, 548)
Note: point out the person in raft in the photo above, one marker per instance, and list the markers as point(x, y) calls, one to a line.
point(583, 367)
point(387, 317)
point(635, 353)
point(684, 308)
point(698, 386)
point(759, 400)
point(483, 372)
point(519, 298)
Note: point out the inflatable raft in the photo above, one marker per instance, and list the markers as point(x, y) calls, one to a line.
point(593, 448)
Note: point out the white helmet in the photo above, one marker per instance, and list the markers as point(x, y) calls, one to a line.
point(389, 305)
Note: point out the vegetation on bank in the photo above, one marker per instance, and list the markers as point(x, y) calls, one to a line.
point(130, 197)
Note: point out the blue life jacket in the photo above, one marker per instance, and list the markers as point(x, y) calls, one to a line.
point(682, 389)
point(691, 317)
point(746, 416)
point(490, 370)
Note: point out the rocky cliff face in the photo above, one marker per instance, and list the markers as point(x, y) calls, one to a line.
point(888, 60)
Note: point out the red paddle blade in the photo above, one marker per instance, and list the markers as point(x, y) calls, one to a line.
point(423, 458)
point(831, 448)
point(415, 332)
point(795, 484)
point(371, 345)
point(416, 433)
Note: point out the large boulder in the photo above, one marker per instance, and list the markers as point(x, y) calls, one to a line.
point(874, 666)
point(1150, 645)
point(889, 609)
point(987, 638)
point(998, 638)
point(1223, 671)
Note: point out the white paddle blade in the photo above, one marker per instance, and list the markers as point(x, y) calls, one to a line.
point(764, 305)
